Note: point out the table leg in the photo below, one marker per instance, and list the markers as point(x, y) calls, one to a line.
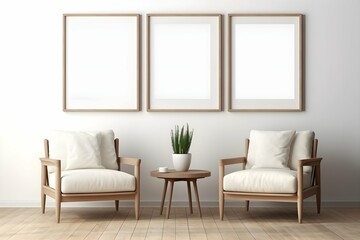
point(163, 196)
point(170, 197)
point(197, 196)
point(189, 194)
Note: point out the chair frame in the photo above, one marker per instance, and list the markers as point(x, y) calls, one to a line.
point(60, 197)
point(298, 197)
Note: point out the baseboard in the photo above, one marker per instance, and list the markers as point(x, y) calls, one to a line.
point(50, 203)
point(256, 204)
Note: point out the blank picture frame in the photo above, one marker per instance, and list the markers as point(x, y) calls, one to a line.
point(265, 62)
point(184, 62)
point(101, 62)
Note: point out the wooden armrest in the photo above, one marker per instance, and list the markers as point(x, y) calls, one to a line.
point(309, 162)
point(133, 162)
point(50, 162)
point(229, 161)
point(56, 163)
point(315, 175)
point(129, 161)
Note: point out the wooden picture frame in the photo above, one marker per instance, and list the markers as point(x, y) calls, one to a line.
point(101, 62)
point(184, 62)
point(265, 62)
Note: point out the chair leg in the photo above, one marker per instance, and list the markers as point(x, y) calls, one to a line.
point(117, 205)
point(57, 209)
point(247, 202)
point(43, 202)
point(221, 206)
point(300, 209)
point(318, 201)
point(137, 206)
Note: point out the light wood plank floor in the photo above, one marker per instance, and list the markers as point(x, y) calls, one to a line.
point(106, 223)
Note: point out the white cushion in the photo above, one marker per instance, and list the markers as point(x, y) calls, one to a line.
point(83, 151)
point(269, 149)
point(107, 150)
point(264, 180)
point(58, 147)
point(301, 148)
point(94, 181)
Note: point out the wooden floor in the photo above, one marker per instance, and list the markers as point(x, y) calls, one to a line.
point(105, 223)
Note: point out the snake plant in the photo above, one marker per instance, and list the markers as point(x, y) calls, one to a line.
point(181, 139)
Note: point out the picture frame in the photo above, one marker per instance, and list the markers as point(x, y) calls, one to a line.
point(101, 62)
point(265, 62)
point(184, 62)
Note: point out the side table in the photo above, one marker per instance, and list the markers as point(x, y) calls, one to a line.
point(175, 176)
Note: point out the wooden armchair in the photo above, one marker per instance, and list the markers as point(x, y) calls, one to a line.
point(279, 166)
point(66, 180)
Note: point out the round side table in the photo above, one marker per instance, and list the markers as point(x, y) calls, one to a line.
point(175, 176)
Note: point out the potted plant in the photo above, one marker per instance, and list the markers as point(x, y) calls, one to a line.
point(181, 142)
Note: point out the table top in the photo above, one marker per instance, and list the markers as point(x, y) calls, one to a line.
point(172, 174)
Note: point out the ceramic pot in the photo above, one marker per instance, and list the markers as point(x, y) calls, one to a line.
point(181, 161)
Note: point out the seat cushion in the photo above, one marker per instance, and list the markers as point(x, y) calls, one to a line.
point(264, 180)
point(94, 181)
point(269, 149)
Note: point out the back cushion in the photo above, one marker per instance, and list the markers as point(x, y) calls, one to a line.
point(73, 147)
point(58, 147)
point(301, 148)
point(83, 151)
point(107, 149)
point(269, 149)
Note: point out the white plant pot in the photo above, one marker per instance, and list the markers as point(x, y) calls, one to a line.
point(181, 161)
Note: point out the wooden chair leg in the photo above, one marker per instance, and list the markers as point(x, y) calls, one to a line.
point(221, 190)
point(318, 194)
point(318, 201)
point(117, 205)
point(221, 205)
point(58, 193)
point(43, 183)
point(300, 209)
point(43, 202)
point(57, 209)
point(247, 203)
point(137, 205)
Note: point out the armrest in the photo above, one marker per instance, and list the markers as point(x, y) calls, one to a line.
point(129, 161)
point(50, 162)
point(313, 162)
point(309, 162)
point(229, 161)
point(56, 163)
point(133, 162)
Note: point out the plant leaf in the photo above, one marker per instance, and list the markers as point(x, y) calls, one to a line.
point(181, 139)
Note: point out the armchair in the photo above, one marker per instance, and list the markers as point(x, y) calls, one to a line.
point(85, 166)
point(278, 166)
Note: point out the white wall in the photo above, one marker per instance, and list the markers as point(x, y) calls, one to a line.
point(31, 97)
